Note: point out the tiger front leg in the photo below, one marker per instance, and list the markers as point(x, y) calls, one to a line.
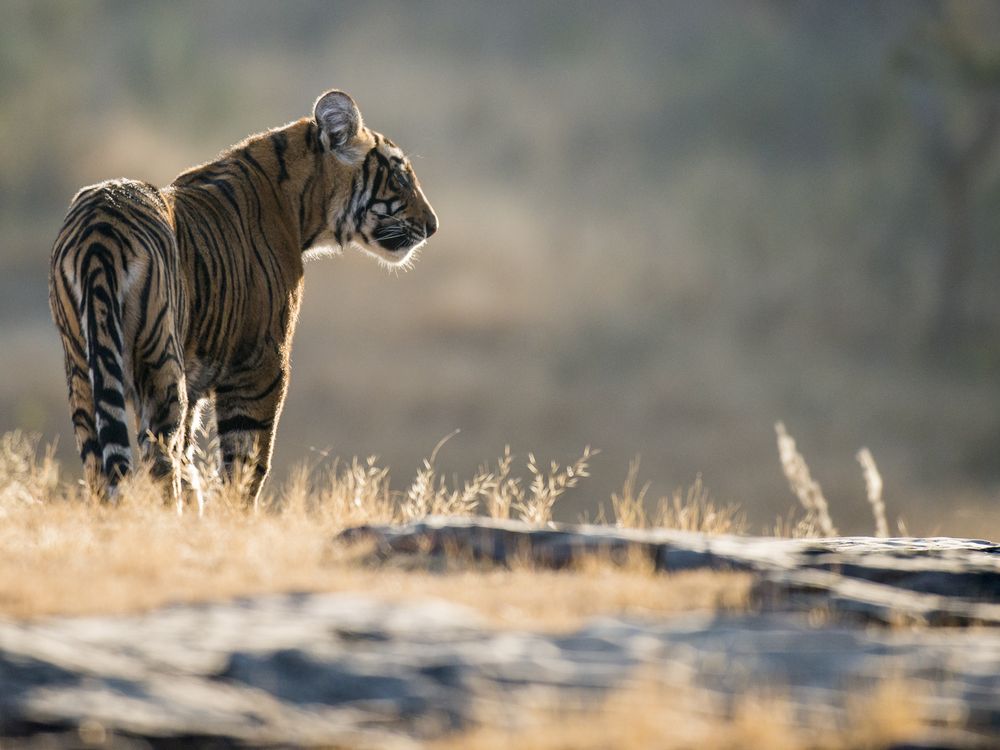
point(246, 419)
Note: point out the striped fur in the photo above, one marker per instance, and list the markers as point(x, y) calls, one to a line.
point(167, 298)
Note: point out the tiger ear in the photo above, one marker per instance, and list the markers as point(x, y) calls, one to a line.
point(339, 120)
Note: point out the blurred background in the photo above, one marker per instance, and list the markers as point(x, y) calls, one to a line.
point(664, 227)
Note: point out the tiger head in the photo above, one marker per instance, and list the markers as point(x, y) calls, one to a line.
point(378, 204)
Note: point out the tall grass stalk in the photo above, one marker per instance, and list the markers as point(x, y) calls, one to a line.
point(806, 489)
point(873, 491)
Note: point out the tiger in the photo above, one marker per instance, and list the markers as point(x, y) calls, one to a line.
point(172, 298)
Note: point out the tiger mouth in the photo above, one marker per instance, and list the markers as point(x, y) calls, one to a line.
point(400, 254)
point(396, 240)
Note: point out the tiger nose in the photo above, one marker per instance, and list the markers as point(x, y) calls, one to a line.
point(430, 224)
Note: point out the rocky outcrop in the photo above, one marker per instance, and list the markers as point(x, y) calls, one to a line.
point(354, 671)
point(938, 581)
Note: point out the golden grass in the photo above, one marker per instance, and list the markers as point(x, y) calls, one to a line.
point(687, 510)
point(806, 489)
point(64, 554)
point(816, 521)
point(873, 490)
point(74, 558)
point(646, 713)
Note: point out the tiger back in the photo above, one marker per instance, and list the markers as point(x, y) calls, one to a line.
point(170, 298)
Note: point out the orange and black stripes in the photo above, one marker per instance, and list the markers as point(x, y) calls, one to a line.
point(168, 297)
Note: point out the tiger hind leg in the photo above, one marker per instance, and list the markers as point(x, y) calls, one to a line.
point(163, 419)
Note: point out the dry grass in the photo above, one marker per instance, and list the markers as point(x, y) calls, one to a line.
point(496, 490)
point(687, 510)
point(64, 554)
point(873, 490)
point(806, 489)
point(74, 558)
point(816, 521)
point(650, 714)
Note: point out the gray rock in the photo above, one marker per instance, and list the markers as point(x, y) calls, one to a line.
point(942, 581)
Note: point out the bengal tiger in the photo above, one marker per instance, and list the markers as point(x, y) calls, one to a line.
point(168, 298)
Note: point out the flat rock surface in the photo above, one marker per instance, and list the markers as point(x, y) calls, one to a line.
point(359, 672)
point(939, 581)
